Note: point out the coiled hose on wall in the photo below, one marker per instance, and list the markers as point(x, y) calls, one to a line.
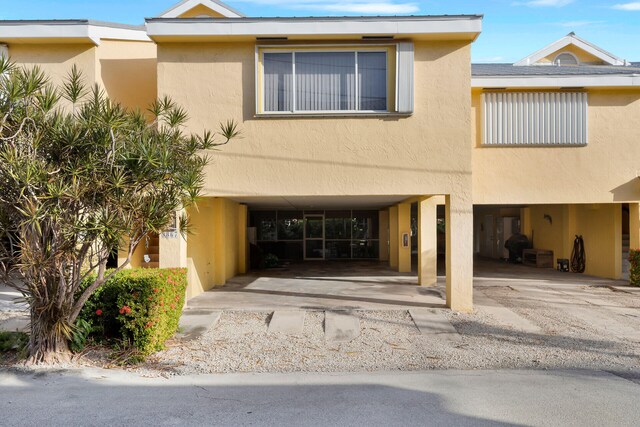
point(578, 257)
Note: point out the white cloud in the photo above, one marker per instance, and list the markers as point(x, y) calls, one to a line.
point(382, 7)
point(545, 3)
point(633, 6)
point(367, 7)
point(574, 24)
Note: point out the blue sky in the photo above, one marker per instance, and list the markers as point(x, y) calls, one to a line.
point(511, 29)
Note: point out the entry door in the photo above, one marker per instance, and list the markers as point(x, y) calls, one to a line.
point(313, 237)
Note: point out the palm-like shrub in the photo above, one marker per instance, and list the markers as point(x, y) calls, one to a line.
point(81, 175)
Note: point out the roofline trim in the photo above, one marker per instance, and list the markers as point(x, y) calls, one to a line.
point(571, 38)
point(92, 31)
point(591, 80)
point(313, 26)
point(186, 5)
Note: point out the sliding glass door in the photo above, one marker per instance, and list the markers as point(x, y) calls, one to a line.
point(313, 237)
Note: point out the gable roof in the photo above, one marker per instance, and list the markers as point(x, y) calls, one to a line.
point(572, 39)
point(186, 5)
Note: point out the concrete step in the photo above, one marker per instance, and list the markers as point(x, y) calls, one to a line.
point(150, 265)
point(289, 322)
point(340, 326)
point(194, 322)
point(432, 321)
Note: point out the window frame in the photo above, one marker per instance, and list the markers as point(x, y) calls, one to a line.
point(390, 51)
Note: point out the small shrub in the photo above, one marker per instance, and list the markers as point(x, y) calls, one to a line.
point(13, 341)
point(634, 268)
point(81, 332)
point(271, 261)
point(140, 307)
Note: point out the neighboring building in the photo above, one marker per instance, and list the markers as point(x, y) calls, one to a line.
point(362, 135)
point(120, 58)
point(556, 148)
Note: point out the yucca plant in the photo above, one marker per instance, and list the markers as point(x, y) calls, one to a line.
point(80, 175)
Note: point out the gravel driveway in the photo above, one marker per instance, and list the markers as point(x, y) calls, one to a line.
point(389, 340)
point(578, 326)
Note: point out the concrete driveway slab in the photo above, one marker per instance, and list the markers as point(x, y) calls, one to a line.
point(195, 323)
point(434, 322)
point(502, 314)
point(287, 322)
point(340, 326)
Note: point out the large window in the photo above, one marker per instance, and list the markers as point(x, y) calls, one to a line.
point(325, 81)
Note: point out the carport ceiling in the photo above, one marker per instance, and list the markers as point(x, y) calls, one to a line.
point(320, 202)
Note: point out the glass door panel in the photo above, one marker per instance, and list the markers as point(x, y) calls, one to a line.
point(314, 237)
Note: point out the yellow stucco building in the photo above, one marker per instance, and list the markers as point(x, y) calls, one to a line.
point(373, 138)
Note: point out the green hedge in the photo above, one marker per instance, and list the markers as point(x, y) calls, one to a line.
point(141, 307)
point(634, 268)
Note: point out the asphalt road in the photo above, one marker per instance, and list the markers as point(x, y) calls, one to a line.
point(460, 398)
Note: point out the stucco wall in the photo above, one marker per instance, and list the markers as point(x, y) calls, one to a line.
point(127, 71)
point(57, 59)
point(427, 153)
point(200, 248)
point(213, 245)
point(604, 171)
point(600, 225)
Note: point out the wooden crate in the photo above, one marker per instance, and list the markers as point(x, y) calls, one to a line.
point(541, 258)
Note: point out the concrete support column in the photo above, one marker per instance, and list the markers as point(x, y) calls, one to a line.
point(404, 242)
point(525, 222)
point(172, 249)
point(243, 244)
point(383, 235)
point(393, 237)
point(617, 241)
point(459, 227)
point(427, 242)
point(569, 231)
point(634, 225)
point(219, 235)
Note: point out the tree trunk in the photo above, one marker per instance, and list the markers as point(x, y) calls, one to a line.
point(48, 343)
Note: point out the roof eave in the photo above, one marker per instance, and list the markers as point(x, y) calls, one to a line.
point(471, 25)
point(556, 81)
point(70, 31)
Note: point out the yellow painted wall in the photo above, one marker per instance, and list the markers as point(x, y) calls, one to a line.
point(137, 257)
point(427, 153)
point(583, 57)
point(601, 227)
point(213, 247)
point(200, 247)
point(549, 235)
point(127, 71)
point(57, 59)
point(599, 224)
point(201, 10)
point(604, 171)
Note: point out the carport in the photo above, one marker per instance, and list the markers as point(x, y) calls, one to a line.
point(380, 238)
